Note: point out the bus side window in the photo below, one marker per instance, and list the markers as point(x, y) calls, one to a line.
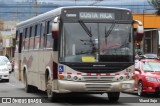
point(17, 41)
point(23, 41)
point(42, 34)
point(37, 36)
point(49, 39)
point(26, 38)
point(31, 38)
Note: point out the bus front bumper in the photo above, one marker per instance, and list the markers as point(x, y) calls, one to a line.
point(70, 86)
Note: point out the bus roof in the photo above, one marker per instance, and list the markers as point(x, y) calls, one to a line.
point(57, 12)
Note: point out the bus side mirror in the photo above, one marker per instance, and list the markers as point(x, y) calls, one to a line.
point(140, 33)
point(55, 32)
point(55, 28)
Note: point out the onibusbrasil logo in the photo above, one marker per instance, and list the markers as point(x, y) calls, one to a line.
point(21, 100)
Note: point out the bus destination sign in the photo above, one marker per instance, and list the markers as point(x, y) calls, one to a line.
point(96, 15)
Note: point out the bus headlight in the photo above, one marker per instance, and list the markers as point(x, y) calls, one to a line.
point(68, 77)
point(121, 77)
point(127, 77)
point(75, 78)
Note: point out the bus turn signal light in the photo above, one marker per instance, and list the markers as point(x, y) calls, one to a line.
point(61, 76)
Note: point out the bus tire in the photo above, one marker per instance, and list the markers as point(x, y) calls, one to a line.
point(113, 96)
point(50, 94)
point(28, 88)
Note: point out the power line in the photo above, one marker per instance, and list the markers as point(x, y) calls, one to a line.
point(20, 12)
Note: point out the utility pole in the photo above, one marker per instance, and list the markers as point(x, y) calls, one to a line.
point(17, 11)
point(35, 8)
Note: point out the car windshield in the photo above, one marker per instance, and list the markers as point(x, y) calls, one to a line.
point(151, 66)
point(99, 42)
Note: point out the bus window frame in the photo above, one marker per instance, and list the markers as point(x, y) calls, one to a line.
point(20, 41)
point(17, 41)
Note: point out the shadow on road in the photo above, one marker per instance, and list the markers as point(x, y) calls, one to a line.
point(147, 95)
point(76, 99)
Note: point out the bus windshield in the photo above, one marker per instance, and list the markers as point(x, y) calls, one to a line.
point(96, 42)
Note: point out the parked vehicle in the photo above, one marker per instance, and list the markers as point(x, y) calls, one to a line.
point(151, 56)
point(9, 65)
point(147, 76)
point(4, 72)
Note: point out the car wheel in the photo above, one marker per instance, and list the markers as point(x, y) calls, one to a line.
point(113, 96)
point(140, 88)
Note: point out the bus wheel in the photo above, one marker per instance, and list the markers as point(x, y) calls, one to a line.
point(140, 88)
point(28, 88)
point(113, 96)
point(51, 95)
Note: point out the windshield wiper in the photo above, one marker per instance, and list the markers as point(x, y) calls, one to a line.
point(107, 33)
point(90, 41)
point(83, 25)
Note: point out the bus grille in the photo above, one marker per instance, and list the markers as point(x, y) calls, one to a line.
point(98, 87)
point(98, 78)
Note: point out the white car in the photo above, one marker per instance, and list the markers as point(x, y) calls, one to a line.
point(4, 72)
point(9, 65)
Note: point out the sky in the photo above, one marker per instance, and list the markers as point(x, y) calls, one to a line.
point(21, 6)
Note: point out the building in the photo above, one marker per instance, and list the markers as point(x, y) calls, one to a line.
point(7, 36)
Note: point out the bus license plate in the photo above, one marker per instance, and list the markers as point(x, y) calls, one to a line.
point(126, 86)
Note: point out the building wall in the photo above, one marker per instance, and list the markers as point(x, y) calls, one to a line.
point(148, 20)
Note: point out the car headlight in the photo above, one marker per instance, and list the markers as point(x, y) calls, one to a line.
point(152, 79)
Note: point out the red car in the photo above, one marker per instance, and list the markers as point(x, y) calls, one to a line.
point(147, 76)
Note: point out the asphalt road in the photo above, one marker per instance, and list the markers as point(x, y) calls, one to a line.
point(15, 89)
